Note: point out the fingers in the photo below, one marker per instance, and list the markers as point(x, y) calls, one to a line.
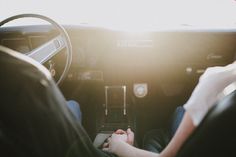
point(105, 145)
point(129, 131)
point(120, 131)
point(108, 140)
point(130, 136)
point(120, 137)
point(105, 149)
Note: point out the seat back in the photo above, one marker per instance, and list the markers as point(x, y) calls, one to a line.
point(216, 135)
point(34, 119)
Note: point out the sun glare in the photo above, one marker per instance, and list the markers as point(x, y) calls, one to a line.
point(130, 15)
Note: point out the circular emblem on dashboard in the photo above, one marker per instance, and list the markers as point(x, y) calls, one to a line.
point(140, 90)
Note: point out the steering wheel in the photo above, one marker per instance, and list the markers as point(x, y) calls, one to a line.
point(46, 51)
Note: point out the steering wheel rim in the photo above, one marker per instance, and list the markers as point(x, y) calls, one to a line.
point(62, 32)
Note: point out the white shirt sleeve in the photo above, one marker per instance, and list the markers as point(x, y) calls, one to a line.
point(206, 93)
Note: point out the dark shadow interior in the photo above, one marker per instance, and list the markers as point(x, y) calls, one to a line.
point(169, 63)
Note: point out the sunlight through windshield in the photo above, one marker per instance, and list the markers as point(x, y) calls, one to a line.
point(130, 14)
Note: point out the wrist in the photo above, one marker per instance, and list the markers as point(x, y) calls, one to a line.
point(119, 146)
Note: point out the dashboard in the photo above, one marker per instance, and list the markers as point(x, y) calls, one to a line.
point(167, 65)
point(100, 53)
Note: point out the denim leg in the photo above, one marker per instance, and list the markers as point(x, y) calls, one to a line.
point(157, 140)
point(75, 109)
point(176, 120)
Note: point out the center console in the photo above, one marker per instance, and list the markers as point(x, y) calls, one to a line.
point(115, 114)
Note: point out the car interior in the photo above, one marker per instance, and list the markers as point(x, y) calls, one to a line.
point(126, 80)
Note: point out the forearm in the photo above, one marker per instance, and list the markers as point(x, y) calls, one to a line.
point(183, 132)
point(125, 150)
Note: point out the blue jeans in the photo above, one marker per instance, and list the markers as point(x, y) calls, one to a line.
point(156, 140)
point(74, 107)
point(176, 120)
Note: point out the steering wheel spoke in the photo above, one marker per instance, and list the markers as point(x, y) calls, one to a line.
point(46, 51)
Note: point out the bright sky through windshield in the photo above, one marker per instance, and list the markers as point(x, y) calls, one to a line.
point(130, 14)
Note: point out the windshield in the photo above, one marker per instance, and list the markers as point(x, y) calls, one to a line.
point(130, 14)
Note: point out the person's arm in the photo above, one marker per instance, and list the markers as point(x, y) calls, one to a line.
point(120, 147)
point(183, 132)
point(126, 150)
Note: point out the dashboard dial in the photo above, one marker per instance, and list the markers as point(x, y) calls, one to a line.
point(140, 90)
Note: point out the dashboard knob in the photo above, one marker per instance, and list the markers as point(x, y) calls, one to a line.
point(140, 89)
point(189, 70)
